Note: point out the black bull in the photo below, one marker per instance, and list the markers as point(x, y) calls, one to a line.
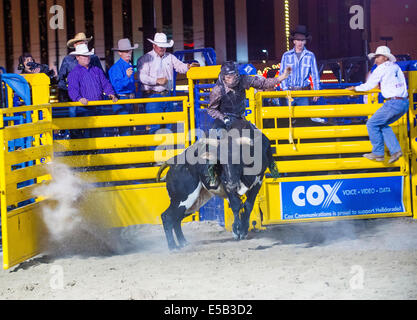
point(190, 184)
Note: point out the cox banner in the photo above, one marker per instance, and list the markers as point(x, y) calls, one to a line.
point(341, 197)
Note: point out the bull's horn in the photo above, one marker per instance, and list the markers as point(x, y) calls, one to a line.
point(161, 169)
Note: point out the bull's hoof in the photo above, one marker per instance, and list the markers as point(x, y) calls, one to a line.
point(236, 231)
point(243, 236)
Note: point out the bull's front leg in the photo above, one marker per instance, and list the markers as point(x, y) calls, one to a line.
point(235, 204)
point(247, 209)
point(168, 224)
point(178, 232)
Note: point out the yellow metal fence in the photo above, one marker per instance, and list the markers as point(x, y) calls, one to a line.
point(122, 150)
point(21, 171)
point(412, 89)
point(124, 168)
point(325, 153)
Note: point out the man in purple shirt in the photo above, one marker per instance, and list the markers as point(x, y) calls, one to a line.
point(87, 83)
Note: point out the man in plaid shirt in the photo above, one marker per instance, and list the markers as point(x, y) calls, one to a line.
point(303, 64)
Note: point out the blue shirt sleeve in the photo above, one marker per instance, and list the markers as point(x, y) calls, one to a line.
point(315, 73)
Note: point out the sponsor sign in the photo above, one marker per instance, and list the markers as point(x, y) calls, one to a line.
point(341, 197)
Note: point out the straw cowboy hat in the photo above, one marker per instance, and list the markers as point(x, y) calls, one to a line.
point(383, 51)
point(82, 50)
point(300, 33)
point(78, 37)
point(125, 45)
point(160, 39)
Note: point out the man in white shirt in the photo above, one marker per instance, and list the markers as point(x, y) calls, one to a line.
point(156, 73)
point(394, 89)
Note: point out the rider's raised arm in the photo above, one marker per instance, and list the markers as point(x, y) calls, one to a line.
point(260, 83)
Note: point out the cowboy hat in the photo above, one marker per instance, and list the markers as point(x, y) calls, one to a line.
point(82, 50)
point(382, 51)
point(160, 39)
point(78, 37)
point(125, 45)
point(300, 33)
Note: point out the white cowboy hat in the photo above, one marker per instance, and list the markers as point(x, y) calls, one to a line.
point(78, 37)
point(125, 45)
point(160, 39)
point(383, 51)
point(82, 50)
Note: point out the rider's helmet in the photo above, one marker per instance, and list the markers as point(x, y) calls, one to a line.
point(229, 74)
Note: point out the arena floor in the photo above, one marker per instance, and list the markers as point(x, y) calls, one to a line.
point(357, 259)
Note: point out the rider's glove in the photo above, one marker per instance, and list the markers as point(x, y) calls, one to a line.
point(227, 123)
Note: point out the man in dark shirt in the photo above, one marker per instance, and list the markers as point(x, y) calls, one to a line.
point(70, 62)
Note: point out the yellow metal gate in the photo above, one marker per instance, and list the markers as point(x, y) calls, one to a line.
point(123, 168)
point(26, 150)
point(316, 159)
point(412, 89)
point(109, 161)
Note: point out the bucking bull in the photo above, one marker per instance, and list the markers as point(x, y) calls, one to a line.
point(205, 169)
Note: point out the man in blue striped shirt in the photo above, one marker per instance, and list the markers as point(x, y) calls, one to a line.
point(303, 64)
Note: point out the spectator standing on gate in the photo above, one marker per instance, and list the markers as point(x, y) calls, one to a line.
point(156, 73)
point(303, 64)
point(70, 62)
point(394, 89)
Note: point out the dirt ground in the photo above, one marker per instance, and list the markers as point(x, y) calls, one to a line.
point(357, 259)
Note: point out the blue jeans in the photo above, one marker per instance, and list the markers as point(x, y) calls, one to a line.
point(378, 126)
point(84, 112)
point(158, 107)
point(122, 108)
point(299, 101)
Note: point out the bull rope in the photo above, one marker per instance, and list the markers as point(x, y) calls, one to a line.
point(290, 129)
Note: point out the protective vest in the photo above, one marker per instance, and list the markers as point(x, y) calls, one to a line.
point(234, 102)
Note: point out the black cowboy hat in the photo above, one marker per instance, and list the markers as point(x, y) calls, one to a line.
point(299, 32)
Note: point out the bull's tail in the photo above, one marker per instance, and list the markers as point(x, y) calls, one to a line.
point(272, 164)
point(161, 169)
